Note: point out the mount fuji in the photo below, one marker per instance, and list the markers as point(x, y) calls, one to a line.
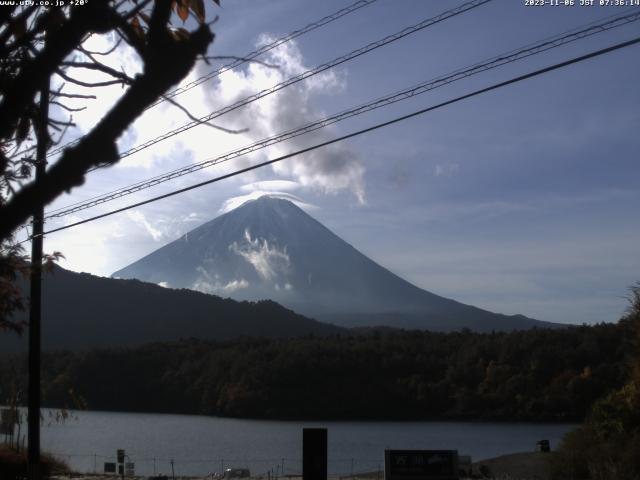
point(269, 248)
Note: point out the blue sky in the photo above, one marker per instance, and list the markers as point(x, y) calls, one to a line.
point(522, 200)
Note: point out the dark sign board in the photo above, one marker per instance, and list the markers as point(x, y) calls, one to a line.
point(129, 469)
point(314, 454)
point(421, 465)
point(120, 456)
point(121, 470)
point(109, 467)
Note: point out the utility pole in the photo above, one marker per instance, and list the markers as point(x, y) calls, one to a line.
point(35, 309)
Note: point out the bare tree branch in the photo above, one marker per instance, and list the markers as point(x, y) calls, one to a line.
point(73, 95)
point(101, 68)
point(201, 122)
point(89, 53)
point(88, 84)
point(65, 107)
point(60, 43)
point(68, 123)
point(98, 147)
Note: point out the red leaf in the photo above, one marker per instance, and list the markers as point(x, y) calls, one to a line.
point(135, 24)
point(182, 11)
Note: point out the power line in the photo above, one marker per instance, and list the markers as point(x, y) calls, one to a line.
point(308, 74)
point(246, 58)
point(494, 62)
point(358, 132)
point(264, 49)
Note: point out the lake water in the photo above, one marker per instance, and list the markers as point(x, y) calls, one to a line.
point(199, 445)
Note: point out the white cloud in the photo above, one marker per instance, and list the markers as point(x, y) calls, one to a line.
point(446, 169)
point(331, 169)
point(212, 285)
point(267, 259)
point(139, 218)
point(287, 286)
point(271, 185)
point(235, 202)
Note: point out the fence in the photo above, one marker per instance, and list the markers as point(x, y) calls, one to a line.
point(268, 468)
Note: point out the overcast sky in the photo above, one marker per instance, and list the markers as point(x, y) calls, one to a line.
point(522, 200)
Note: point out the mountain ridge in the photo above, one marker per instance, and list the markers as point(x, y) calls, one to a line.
point(84, 311)
point(270, 248)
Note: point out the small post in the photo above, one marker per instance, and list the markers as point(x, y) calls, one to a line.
point(173, 473)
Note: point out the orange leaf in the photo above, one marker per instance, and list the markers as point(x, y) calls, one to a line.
point(182, 11)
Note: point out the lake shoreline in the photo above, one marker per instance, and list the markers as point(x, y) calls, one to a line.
point(407, 419)
point(199, 445)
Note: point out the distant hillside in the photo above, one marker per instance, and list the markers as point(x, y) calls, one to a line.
point(270, 248)
point(82, 311)
point(529, 375)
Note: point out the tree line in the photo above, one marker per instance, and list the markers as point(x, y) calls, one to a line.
point(533, 375)
point(606, 446)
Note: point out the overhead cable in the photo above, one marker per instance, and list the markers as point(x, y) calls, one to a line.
point(305, 75)
point(246, 58)
point(503, 59)
point(310, 73)
point(520, 78)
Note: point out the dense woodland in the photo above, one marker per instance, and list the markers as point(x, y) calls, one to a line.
point(606, 446)
point(537, 374)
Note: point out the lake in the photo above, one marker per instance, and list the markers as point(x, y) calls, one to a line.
point(199, 445)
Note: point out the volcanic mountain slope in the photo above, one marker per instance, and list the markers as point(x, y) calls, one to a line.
point(271, 249)
point(82, 311)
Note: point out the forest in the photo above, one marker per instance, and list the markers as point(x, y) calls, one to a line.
point(532, 375)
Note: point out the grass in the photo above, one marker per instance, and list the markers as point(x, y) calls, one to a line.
point(13, 464)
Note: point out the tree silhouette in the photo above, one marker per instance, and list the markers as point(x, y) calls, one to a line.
point(38, 43)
